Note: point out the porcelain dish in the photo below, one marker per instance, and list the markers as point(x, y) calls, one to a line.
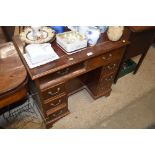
point(46, 35)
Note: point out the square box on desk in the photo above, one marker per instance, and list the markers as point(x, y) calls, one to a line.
point(71, 41)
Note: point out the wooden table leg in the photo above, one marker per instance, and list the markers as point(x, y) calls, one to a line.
point(140, 62)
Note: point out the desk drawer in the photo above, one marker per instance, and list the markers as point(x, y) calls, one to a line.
point(105, 83)
point(68, 72)
point(110, 68)
point(55, 102)
point(53, 91)
point(104, 59)
point(107, 79)
point(57, 114)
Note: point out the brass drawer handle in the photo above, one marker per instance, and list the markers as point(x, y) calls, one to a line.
point(52, 104)
point(59, 113)
point(109, 78)
point(54, 93)
point(111, 66)
point(63, 72)
point(107, 57)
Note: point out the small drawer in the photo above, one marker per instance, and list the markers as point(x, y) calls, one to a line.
point(105, 84)
point(57, 114)
point(104, 59)
point(110, 68)
point(108, 79)
point(55, 102)
point(104, 88)
point(53, 91)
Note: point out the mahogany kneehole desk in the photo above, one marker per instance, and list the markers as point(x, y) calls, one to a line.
point(93, 68)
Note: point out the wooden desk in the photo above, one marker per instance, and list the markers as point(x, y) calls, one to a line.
point(57, 80)
point(141, 38)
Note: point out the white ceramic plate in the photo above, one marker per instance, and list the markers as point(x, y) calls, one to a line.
point(47, 36)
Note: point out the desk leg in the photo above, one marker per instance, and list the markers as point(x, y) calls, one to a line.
point(140, 62)
point(144, 54)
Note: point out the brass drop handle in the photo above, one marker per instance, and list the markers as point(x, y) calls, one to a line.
point(54, 93)
point(111, 66)
point(63, 72)
point(109, 78)
point(107, 57)
point(52, 104)
point(59, 113)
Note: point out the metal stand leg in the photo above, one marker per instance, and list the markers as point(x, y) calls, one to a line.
point(20, 116)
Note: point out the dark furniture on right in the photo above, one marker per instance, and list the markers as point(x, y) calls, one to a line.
point(140, 37)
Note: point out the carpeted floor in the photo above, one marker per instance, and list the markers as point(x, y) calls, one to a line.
point(130, 105)
point(131, 92)
point(139, 114)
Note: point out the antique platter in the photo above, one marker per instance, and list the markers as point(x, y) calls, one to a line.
point(46, 35)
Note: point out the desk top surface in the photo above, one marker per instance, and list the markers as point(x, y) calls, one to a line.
point(103, 45)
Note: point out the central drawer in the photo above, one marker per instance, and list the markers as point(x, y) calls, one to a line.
point(62, 75)
point(104, 59)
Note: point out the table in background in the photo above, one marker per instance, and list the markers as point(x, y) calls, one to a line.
point(140, 38)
